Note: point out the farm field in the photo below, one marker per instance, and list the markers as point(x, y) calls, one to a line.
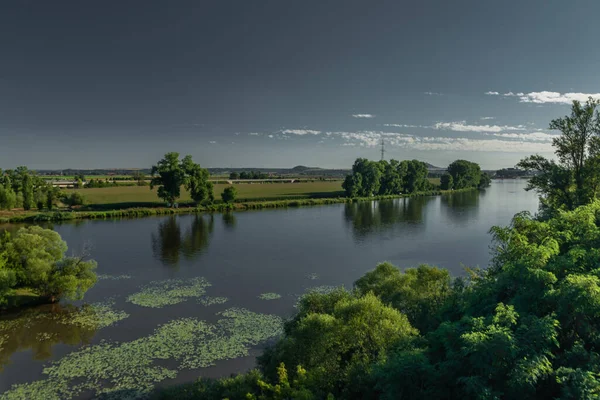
point(258, 191)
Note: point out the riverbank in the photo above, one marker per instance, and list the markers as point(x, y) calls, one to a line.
point(134, 212)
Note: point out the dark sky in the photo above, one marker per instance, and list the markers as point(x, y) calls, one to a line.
point(93, 84)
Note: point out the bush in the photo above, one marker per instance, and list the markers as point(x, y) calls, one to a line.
point(229, 194)
point(74, 199)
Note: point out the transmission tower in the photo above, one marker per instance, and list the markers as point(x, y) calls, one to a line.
point(382, 149)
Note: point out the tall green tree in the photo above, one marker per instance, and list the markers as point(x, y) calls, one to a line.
point(485, 180)
point(446, 182)
point(416, 176)
point(465, 174)
point(168, 175)
point(574, 179)
point(28, 191)
point(196, 181)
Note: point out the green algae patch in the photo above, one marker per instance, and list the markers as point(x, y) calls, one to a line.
point(269, 296)
point(169, 292)
point(131, 369)
point(210, 300)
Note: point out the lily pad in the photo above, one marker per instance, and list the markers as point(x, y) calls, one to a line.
point(165, 293)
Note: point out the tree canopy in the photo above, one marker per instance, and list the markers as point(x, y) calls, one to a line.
point(169, 174)
point(35, 258)
point(574, 179)
point(372, 178)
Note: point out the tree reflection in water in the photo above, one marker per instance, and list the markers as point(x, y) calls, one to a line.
point(39, 329)
point(375, 216)
point(462, 207)
point(169, 243)
point(229, 220)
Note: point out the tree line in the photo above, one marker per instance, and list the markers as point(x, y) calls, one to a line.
point(249, 175)
point(23, 188)
point(526, 327)
point(35, 259)
point(373, 178)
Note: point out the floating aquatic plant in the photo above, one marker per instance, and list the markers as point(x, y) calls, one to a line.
point(269, 296)
point(312, 276)
point(43, 336)
point(173, 291)
point(209, 300)
point(97, 315)
point(113, 277)
point(3, 340)
point(113, 370)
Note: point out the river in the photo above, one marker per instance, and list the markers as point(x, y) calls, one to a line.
point(245, 254)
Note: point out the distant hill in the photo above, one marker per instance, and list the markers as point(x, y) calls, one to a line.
point(302, 168)
point(430, 166)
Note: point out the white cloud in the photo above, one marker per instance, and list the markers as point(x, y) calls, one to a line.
point(433, 94)
point(213, 142)
point(530, 137)
point(546, 97)
point(513, 143)
point(363, 115)
point(492, 93)
point(555, 97)
point(405, 126)
point(301, 132)
point(492, 145)
point(270, 136)
point(486, 118)
point(462, 126)
point(254, 134)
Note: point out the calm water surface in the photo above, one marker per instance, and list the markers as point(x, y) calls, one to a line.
point(248, 253)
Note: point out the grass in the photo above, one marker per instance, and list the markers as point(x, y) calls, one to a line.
point(246, 191)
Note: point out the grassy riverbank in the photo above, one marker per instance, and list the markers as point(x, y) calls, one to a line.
point(132, 212)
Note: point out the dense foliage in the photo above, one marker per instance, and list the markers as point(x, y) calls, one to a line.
point(229, 194)
point(380, 178)
point(249, 175)
point(34, 258)
point(465, 174)
point(574, 179)
point(169, 174)
point(372, 178)
point(22, 187)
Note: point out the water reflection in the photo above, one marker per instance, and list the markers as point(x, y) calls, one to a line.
point(39, 329)
point(169, 243)
point(462, 207)
point(371, 217)
point(229, 220)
